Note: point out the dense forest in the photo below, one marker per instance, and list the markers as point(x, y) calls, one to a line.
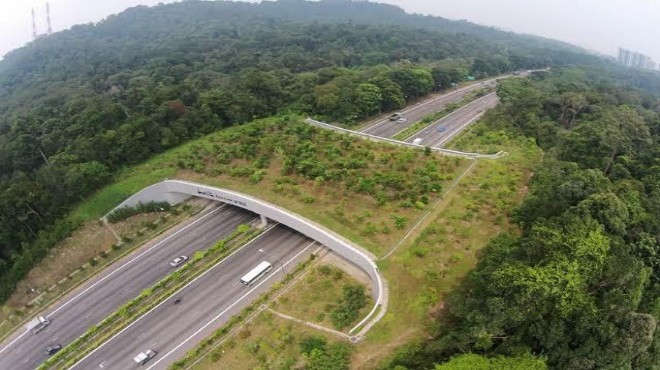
point(78, 105)
point(581, 286)
point(578, 289)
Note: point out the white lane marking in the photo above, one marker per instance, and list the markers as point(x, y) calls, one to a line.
point(228, 308)
point(154, 344)
point(166, 301)
point(460, 128)
point(140, 335)
point(433, 100)
point(55, 339)
point(194, 314)
point(13, 341)
point(115, 271)
point(101, 364)
point(469, 107)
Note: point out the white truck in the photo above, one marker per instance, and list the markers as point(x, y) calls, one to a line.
point(38, 324)
point(143, 357)
point(417, 141)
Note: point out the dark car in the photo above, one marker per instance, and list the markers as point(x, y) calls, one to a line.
point(51, 350)
point(442, 129)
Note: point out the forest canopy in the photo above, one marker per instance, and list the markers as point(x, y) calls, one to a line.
point(78, 105)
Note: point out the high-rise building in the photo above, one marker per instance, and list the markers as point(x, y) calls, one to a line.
point(635, 60)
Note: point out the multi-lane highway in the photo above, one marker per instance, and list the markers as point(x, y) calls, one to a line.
point(124, 280)
point(207, 303)
point(439, 133)
point(383, 127)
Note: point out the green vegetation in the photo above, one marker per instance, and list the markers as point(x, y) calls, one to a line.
point(579, 286)
point(424, 270)
point(272, 342)
point(90, 249)
point(126, 212)
point(150, 79)
point(349, 306)
point(362, 189)
point(319, 294)
point(214, 343)
point(476, 362)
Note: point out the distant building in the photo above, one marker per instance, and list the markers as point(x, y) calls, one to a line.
point(634, 59)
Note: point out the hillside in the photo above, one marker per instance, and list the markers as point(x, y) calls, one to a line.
point(78, 105)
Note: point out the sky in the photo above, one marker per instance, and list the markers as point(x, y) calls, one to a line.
point(599, 25)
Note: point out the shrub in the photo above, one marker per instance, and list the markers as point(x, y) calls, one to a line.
point(353, 299)
point(126, 212)
point(308, 344)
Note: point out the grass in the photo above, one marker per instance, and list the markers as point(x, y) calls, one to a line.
point(314, 298)
point(397, 183)
point(425, 269)
point(419, 273)
point(268, 342)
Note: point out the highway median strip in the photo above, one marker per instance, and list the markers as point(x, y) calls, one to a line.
point(149, 298)
point(211, 343)
point(435, 117)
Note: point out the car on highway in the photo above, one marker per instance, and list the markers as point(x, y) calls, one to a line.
point(401, 120)
point(144, 357)
point(179, 261)
point(442, 129)
point(51, 350)
point(38, 324)
point(396, 116)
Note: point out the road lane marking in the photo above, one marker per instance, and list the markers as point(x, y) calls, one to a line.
point(265, 279)
point(432, 100)
point(137, 257)
point(194, 314)
point(115, 271)
point(101, 364)
point(165, 300)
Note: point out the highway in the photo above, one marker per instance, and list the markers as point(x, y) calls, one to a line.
point(206, 304)
point(383, 127)
point(122, 281)
point(439, 133)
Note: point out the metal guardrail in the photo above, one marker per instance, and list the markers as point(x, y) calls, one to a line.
point(449, 152)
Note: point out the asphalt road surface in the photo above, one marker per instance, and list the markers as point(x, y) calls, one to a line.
point(206, 304)
point(124, 280)
point(439, 133)
point(383, 127)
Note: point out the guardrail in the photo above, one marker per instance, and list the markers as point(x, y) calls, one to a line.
point(175, 191)
point(363, 135)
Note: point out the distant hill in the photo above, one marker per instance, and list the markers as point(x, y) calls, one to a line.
point(80, 104)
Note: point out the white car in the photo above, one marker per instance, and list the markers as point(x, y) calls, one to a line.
point(401, 120)
point(178, 261)
point(144, 357)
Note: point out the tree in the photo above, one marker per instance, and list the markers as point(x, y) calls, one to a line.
point(368, 98)
point(472, 361)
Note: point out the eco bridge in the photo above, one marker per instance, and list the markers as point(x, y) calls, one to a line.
point(176, 191)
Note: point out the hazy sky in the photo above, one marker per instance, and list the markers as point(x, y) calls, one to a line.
point(600, 25)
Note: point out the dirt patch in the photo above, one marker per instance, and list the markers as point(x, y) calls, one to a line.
point(85, 243)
